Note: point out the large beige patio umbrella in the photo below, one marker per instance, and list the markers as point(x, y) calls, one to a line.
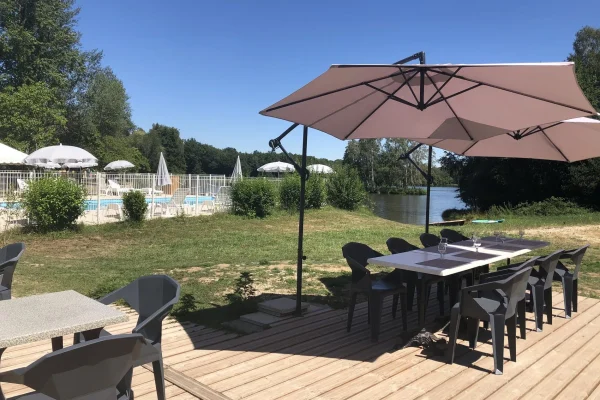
point(570, 140)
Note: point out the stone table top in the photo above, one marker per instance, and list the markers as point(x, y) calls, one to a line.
point(45, 316)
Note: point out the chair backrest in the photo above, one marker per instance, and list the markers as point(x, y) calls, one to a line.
point(576, 257)
point(148, 294)
point(9, 257)
point(91, 370)
point(429, 240)
point(515, 291)
point(453, 236)
point(113, 184)
point(22, 184)
point(547, 266)
point(179, 196)
point(357, 254)
point(397, 245)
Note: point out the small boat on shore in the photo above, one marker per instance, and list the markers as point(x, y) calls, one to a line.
point(455, 222)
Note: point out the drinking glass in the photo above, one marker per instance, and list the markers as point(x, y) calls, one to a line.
point(476, 243)
point(442, 248)
point(521, 234)
point(503, 236)
point(497, 234)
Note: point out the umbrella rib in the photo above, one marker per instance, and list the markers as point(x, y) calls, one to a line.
point(555, 146)
point(453, 95)
point(333, 91)
point(469, 148)
point(512, 91)
point(450, 107)
point(410, 87)
point(441, 87)
point(378, 107)
point(391, 96)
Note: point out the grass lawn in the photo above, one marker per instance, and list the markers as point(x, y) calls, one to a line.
point(207, 254)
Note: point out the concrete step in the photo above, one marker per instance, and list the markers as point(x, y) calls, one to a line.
point(280, 307)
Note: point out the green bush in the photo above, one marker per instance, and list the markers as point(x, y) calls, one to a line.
point(135, 206)
point(54, 204)
point(549, 207)
point(345, 190)
point(253, 198)
point(289, 192)
point(315, 191)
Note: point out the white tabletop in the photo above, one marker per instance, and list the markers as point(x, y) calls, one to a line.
point(29, 319)
point(458, 260)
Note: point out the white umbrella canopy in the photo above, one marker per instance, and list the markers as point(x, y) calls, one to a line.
point(119, 164)
point(320, 169)
point(11, 156)
point(277, 167)
point(47, 165)
point(162, 174)
point(237, 170)
point(444, 101)
point(80, 165)
point(570, 140)
point(61, 155)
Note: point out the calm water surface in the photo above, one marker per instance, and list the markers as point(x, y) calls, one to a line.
point(411, 209)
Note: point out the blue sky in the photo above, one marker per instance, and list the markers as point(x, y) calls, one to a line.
point(208, 67)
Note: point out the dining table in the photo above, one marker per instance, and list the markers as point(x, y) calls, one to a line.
point(52, 316)
point(459, 257)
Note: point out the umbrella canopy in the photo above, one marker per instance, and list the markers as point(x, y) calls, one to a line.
point(80, 165)
point(162, 175)
point(61, 155)
point(320, 169)
point(119, 164)
point(445, 101)
point(47, 165)
point(277, 167)
point(237, 171)
point(11, 156)
point(570, 140)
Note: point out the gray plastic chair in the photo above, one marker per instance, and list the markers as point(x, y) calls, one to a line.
point(503, 274)
point(357, 254)
point(540, 287)
point(87, 371)
point(498, 313)
point(569, 278)
point(153, 297)
point(9, 257)
point(396, 246)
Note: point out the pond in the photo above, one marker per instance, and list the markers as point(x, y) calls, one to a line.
point(411, 209)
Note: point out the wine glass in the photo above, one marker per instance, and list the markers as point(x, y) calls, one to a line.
point(476, 243)
point(503, 236)
point(521, 234)
point(442, 246)
point(497, 234)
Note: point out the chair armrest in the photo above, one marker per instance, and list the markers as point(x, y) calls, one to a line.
point(13, 376)
point(112, 297)
point(485, 287)
point(567, 254)
point(161, 314)
point(495, 276)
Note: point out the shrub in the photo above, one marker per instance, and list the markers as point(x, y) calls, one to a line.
point(289, 192)
point(345, 190)
point(549, 207)
point(135, 206)
point(54, 203)
point(253, 198)
point(315, 191)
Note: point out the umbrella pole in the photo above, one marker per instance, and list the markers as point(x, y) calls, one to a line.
point(428, 191)
point(301, 224)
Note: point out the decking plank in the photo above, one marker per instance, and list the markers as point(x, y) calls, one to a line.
point(585, 383)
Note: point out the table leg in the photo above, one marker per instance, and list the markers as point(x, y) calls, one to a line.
point(57, 343)
point(422, 294)
point(92, 334)
point(1, 393)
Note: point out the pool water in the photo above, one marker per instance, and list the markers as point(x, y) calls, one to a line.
point(93, 204)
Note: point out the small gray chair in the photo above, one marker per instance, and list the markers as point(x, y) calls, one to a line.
point(9, 257)
point(569, 278)
point(86, 371)
point(153, 297)
point(498, 312)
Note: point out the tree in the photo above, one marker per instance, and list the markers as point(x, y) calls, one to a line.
point(193, 156)
point(108, 105)
point(30, 116)
point(173, 147)
point(121, 148)
point(586, 56)
point(149, 146)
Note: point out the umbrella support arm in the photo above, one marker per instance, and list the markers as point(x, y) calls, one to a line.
point(426, 175)
point(275, 144)
point(406, 156)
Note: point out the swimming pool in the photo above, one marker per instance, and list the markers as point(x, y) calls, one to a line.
point(91, 205)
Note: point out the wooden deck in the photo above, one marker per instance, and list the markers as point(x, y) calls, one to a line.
point(315, 358)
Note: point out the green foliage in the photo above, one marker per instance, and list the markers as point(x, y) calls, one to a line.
point(345, 190)
point(54, 204)
point(121, 148)
point(30, 116)
point(244, 288)
point(586, 55)
point(173, 147)
point(107, 103)
point(150, 147)
point(186, 305)
point(134, 205)
point(253, 198)
point(552, 206)
point(414, 191)
point(289, 192)
point(315, 191)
